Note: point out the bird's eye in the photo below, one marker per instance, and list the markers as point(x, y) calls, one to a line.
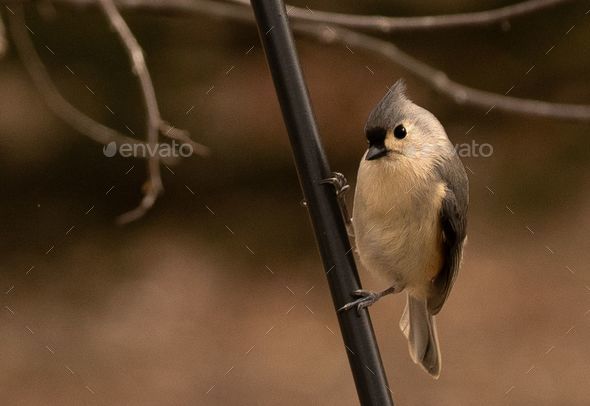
point(400, 132)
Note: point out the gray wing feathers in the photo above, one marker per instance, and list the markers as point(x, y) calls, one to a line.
point(453, 217)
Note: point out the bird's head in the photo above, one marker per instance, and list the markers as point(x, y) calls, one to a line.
point(399, 129)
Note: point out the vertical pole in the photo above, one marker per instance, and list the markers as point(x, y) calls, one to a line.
point(312, 167)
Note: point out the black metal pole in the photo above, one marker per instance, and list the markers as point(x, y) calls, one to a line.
point(312, 167)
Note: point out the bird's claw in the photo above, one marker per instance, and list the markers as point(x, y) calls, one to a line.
point(341, 185)
point(339, 182)
point(365, 299)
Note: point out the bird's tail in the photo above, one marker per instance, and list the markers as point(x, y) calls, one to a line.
point(419, 327)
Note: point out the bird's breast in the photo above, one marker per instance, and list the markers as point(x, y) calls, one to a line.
point(397, 226)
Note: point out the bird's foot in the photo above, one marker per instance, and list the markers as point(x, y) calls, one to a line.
point(339, 182)
point(341, 185)
point(365, 299)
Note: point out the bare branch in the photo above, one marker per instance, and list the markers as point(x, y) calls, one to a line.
point(438, 80)
point(433, 77)
point(95, 130)
point(3, 40)
point(150, 195)
point(159, 7)
point(61, 107)
point(153, 186)
point(53, 99)
point(390, 24)
point(183, 136)
point(375, 23)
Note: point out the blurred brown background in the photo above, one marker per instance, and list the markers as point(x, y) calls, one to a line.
point(176, 309)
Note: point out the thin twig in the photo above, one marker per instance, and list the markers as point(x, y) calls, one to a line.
point(3, 40)
point(457, 92)
point(61, 107)
point(390, 24)
point(153, 186)
point(66, 111)
point(438, 79)
point(375, 23)
point(95, 130)
point(183, 136)
point(433, 77)
point(53, 98)
point(173, 8)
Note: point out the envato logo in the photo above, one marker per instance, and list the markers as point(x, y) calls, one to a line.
point(474, 150)
point(463, 150)
point(173, 150)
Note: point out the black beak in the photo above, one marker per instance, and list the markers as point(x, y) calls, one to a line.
point(375, 152)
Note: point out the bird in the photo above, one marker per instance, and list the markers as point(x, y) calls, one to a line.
point(409, 217)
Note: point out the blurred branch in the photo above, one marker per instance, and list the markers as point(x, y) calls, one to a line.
point(437, 79)
point(3, 40)
point(154, 122)
point(93, 129)
point(53, 98)
point(374, 23)
point(389, 24)
point(183, 136)
point(153, 186)
point(60, 106)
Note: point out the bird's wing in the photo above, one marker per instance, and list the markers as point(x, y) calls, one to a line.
point(453, 220)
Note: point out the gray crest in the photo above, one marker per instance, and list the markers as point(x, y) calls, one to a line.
point(387, 111)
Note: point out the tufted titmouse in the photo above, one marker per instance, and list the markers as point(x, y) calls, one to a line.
point(409, 217)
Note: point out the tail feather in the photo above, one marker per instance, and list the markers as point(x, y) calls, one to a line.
point(419, 327)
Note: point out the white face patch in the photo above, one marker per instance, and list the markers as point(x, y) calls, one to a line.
point(390, 142)
point(404, 146)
